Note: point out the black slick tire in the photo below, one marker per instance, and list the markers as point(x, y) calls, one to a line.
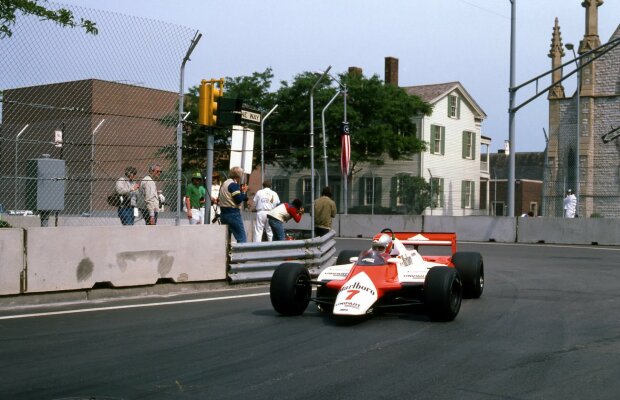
point(443, 293)
point(471, 268)
point(290, 289)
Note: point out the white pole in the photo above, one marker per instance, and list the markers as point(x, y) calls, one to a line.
point(92, 163)
point(15, 180)
point(324, 138)
point(312, 146)
point(262, 147)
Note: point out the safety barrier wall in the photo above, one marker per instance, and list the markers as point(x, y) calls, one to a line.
point(253, 262)
point(475, 228)
point(366, 226)
point(69, 258)
point(569, 231)
point(11, 260)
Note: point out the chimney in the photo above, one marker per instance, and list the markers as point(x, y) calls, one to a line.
point(355, 71)
point(391, 71)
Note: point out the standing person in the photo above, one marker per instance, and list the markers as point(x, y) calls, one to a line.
point(127, 191)
point(265, 200)
point(148, 187)
point(282, 213)
point(195, 199)
point(324, 212)
point(231, 198)
point(570, 204)
point(215, 195)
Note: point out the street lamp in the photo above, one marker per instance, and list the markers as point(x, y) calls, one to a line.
point(15, 180)
point(262, 145)
point(571, 47)
point(343, 88)
point(312, 144)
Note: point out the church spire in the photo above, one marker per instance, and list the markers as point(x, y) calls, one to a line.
point(556, 53)
point(590, 39)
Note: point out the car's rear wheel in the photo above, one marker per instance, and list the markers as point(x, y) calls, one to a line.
point(290, 289)
point(471, 269)
point(443, 293)
point(344, 256)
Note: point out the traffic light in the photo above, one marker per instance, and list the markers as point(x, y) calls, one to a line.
point(209, 94)
point(204, 95)
point(216, 93)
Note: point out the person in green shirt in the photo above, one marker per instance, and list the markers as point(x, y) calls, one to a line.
point(195, 199)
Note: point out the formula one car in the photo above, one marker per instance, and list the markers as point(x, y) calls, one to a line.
point(392, 273)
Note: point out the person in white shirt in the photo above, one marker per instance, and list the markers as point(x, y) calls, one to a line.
point(570, 204)
point(265, 200)
point(148, 189)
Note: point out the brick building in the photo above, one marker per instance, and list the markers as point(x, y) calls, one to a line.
point(528, 183)
point(106, 126)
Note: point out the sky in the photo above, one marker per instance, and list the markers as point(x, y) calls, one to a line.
point(436, 41)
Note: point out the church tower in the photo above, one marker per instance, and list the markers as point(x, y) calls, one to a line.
point(590, 41)
point(556, 94)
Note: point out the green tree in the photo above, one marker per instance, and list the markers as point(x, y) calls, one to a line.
point(9, 10)
point(380, 118)
point(414, 193)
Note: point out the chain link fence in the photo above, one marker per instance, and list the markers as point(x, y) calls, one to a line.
point(78, 109)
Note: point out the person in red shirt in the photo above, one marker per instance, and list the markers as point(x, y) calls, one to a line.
point(282, 213)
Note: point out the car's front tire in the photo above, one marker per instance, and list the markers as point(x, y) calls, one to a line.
point(290, 289)
point(443, 292)
point(471, 269)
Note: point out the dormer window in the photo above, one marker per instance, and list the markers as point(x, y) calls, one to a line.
point(454, 106)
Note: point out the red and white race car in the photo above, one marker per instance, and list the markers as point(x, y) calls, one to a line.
point(392, 273)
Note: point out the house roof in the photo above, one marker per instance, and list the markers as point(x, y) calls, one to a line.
point(433, 93)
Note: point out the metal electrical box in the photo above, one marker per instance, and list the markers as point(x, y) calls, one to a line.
point(45, 187)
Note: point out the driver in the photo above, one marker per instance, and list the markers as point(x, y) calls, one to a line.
point(382, 243)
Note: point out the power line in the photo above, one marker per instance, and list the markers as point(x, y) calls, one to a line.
point(484, 9)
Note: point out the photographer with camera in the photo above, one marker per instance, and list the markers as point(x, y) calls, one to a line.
point(282, 213)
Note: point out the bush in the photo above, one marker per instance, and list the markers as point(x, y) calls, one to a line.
point(4, 224)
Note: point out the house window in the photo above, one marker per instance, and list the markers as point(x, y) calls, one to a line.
point(467, 194)
point(280, 186)
point(469, 139)
point(438, 139)
point(437, 192)
point(413, 132)
point(454, 104)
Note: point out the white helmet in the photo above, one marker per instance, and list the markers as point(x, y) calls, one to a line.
point(382, 243)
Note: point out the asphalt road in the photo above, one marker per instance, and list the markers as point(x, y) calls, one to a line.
point(547, 327)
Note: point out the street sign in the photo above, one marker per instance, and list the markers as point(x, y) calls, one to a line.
point(250, 115)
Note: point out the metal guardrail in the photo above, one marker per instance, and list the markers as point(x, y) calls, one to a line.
point(254, 262)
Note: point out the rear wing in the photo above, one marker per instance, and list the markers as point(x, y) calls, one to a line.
point(427, 239)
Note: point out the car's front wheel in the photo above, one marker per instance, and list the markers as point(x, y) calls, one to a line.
point(290, 289)
point(443, 292)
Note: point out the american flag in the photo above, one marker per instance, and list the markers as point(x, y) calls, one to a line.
point(345, 151)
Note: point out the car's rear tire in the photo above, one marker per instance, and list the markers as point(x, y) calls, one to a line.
point(443, 292)
point(290, 289)
point(471, 269)
point(345, 255)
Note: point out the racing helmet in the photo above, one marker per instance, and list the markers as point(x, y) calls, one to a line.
point(382, 243)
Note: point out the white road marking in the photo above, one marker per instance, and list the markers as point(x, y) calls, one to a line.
point(143, 305)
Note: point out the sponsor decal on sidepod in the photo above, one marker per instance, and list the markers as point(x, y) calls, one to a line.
point(356, 296)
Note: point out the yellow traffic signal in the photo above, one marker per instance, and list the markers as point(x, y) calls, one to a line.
point(204, 96)
point(209, 94)
point(216, 93)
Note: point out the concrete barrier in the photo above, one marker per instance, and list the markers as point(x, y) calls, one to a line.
point(474, 228)
point(69, 258)
point(11, 260)
point(569, 231)
point(366, 226)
